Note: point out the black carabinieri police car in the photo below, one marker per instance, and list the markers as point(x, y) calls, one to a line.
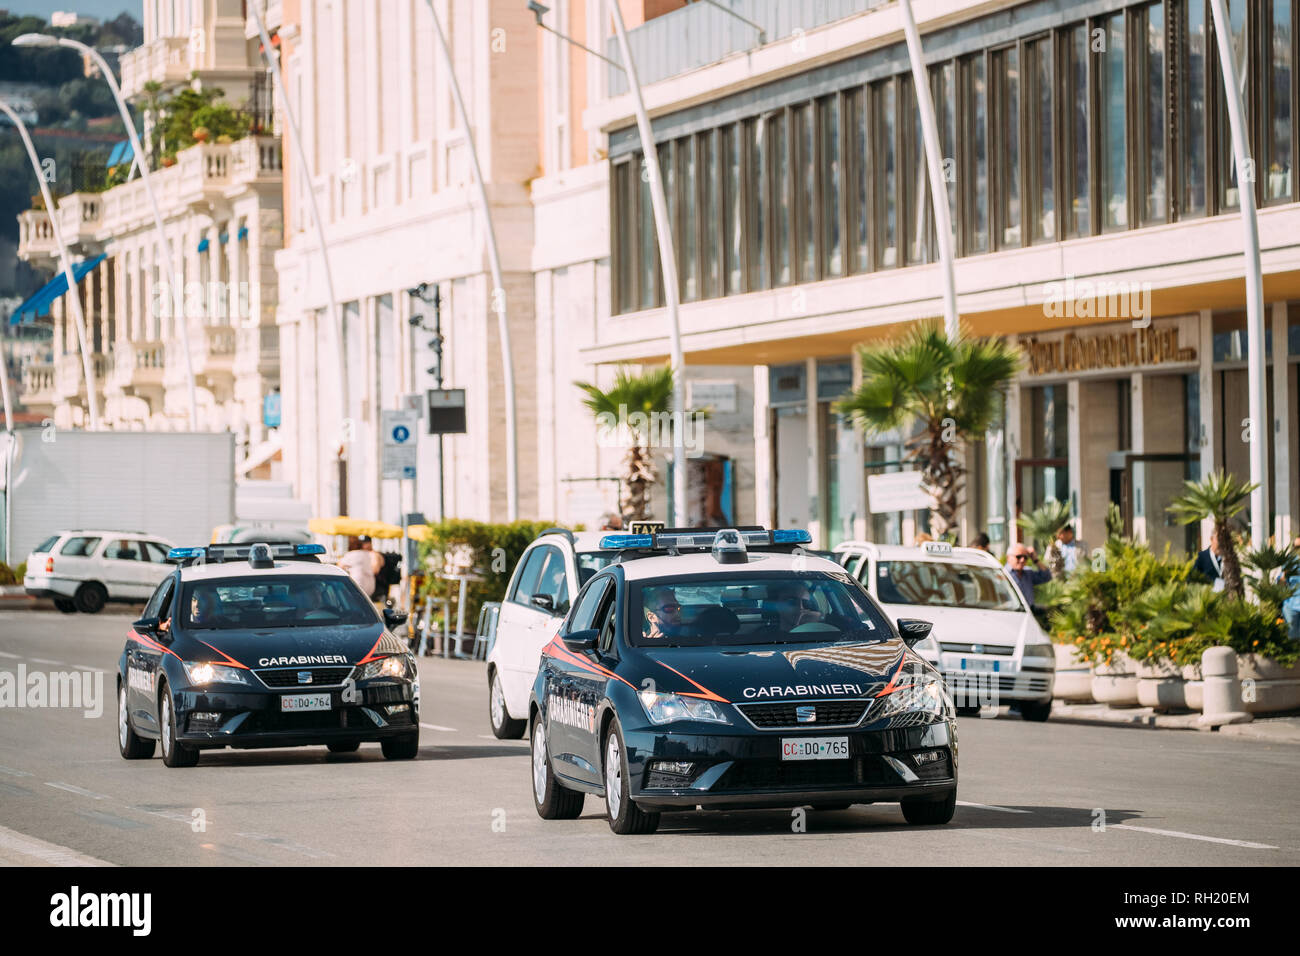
point(261, 645)
point(730, 670)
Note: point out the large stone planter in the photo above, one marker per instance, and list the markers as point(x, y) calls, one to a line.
point(1266, 686)
point(1161, 685)
point(1116, 683)
point(1073, 678)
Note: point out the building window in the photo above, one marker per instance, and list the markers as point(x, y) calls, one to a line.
point(1006, 140)
point(975, 231)
point(884, 103)
point(1042, 154)
point(1226, 165)
point(832, 188)
point(1150, 106)
point(687, 210)
point(623, 179)
point(805, 144)
point(1279, 111)
point(782, 199)
point(914, 187)
point(711, 213)
point(944, 85)
point(1191, 111)
point(1112, 124)
point(1075, 163)
point(757, 195)
point(733, 205)
point(648, 286)
point(860, 162)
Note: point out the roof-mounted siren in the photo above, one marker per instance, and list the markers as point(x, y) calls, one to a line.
point(729, 547)
point(259, 556)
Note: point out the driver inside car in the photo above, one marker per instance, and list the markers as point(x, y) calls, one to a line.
point(663, 615)
point(205, 607)
point(795, 606)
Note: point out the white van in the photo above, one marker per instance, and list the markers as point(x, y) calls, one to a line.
point(985, 640)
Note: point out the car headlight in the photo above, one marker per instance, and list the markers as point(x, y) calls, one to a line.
point(395, 665)
point(926, 696)
point(203, 672)
point(1040, 650)
point(665, 708)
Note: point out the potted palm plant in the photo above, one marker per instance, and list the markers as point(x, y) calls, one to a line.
point(1042, 525)
point(1219, 497)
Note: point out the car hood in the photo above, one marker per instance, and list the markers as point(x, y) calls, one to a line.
point(960, 625)
point(294, 647)
point(773, 672)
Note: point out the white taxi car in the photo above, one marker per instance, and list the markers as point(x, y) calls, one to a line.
point(985, 640)
point(548, 576)
point(82, 570)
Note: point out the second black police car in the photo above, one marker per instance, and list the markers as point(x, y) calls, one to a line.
point(732, 670)
point(261, 645)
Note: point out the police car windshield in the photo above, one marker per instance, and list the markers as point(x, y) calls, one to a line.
point(284, 601)
point(945, 584)
point(752, 608)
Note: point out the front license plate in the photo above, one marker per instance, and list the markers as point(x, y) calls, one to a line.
point(296, 702)
point(974, 664)
point(814, 748)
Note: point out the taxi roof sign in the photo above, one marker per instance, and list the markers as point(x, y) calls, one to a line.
point(936, 547)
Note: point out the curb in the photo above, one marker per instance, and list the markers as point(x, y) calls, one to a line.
point(1279, 729)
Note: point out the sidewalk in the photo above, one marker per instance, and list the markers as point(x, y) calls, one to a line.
point(1284, 728)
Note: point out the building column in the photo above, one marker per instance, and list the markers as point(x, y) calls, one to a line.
point(764, 513)
point(1209, 401)
point(1283, 440)
point(1137, 429)
point(1074, 452)
point(1011, 451)
point(858, 465)
point(816, 455)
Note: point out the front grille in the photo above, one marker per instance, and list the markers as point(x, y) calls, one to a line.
point(987, 649)
point(868, 770)
point(288, 676)
point(271, 721)
point(783, 716)
point(975, 683)
point(203, 725)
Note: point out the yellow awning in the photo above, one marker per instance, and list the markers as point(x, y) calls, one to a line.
point(353, 526)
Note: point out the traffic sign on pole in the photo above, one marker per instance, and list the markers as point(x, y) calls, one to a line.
point(400, 438)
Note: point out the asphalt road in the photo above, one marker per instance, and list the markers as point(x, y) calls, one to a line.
point(1032, 794)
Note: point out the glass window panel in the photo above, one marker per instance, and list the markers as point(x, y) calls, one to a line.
point(669, 172)
point(689, 266)
point(1074, 75)
point(756, 140)
point(916, 183)
point(886, 183)
point(1043, 154)
point(1191, 104)
point(1151, 126)
point(624, 223)
point(648, 252)
point(732, 202)
point(977, 234)
point(832, 241)
point(1281, 79)
point(711, 210)
point(1111, 126)
point(860, 214)
point(1006, 113)
point(1223, 134)
point(945, 106)
point(782, 188)
point(807, 195)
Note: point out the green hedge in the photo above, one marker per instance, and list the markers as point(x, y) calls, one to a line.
point(484, 539)
point(12, 576)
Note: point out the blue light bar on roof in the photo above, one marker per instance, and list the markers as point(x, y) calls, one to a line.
point(619, 541)
point(180, 554)
point(791, 536)
point(310, 549)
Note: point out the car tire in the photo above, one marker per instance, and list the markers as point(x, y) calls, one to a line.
point(65, 605)
point(174, 753)
point(553, 800)
point(930, 811)
point(504, 727)
point(131, 746)
point(624, 816)
point(1037, 710)
point(91, 598)
point(401, 748)
point(968, 711)
point(343, 746)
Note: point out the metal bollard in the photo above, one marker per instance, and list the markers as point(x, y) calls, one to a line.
point(1222, 690)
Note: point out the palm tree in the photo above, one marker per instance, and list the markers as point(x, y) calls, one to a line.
point(1220, 497)
point(639, 402)
point(951, 388)
point(1041, 525)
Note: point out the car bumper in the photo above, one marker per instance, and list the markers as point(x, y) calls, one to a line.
point(980, 688)
point(747, 770)
point(48, 586)
point(255, 719)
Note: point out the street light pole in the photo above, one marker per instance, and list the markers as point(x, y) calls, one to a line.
point(74, 297)
point(1259, 428)
point(934, 166)
point(336, 318)
point(178, 291)
point(498, 297)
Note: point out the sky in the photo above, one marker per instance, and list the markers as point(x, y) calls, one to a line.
point(100, 9)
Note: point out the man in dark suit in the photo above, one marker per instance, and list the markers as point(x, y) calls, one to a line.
point(1210, 564)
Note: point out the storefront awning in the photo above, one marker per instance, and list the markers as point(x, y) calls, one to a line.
point(40, 303)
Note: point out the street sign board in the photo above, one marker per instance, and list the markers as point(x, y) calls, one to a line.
point(400, 437)
point(446, 411)
point(897, 491)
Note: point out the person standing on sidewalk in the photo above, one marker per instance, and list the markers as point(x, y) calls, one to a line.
point(1026, 577)
point(363, 563)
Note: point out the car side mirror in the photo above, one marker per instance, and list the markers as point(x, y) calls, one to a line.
point(913, 631)
point(146, 625)
point(394, 618)
point(543, 601)
point(581, 641)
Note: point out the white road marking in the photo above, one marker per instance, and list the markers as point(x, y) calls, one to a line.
point(22, 849)
point(83, 667)
point(450, 730)
point(1193, 836)
point(43, 660)
point(12, 656)
point(77, 790)
point(986, 806)
point(14, 773)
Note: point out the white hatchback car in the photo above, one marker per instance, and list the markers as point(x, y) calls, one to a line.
point(985, 640)
point(548, 576)
point(84, 570)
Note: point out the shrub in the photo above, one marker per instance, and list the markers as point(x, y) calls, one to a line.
point(12, 576)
